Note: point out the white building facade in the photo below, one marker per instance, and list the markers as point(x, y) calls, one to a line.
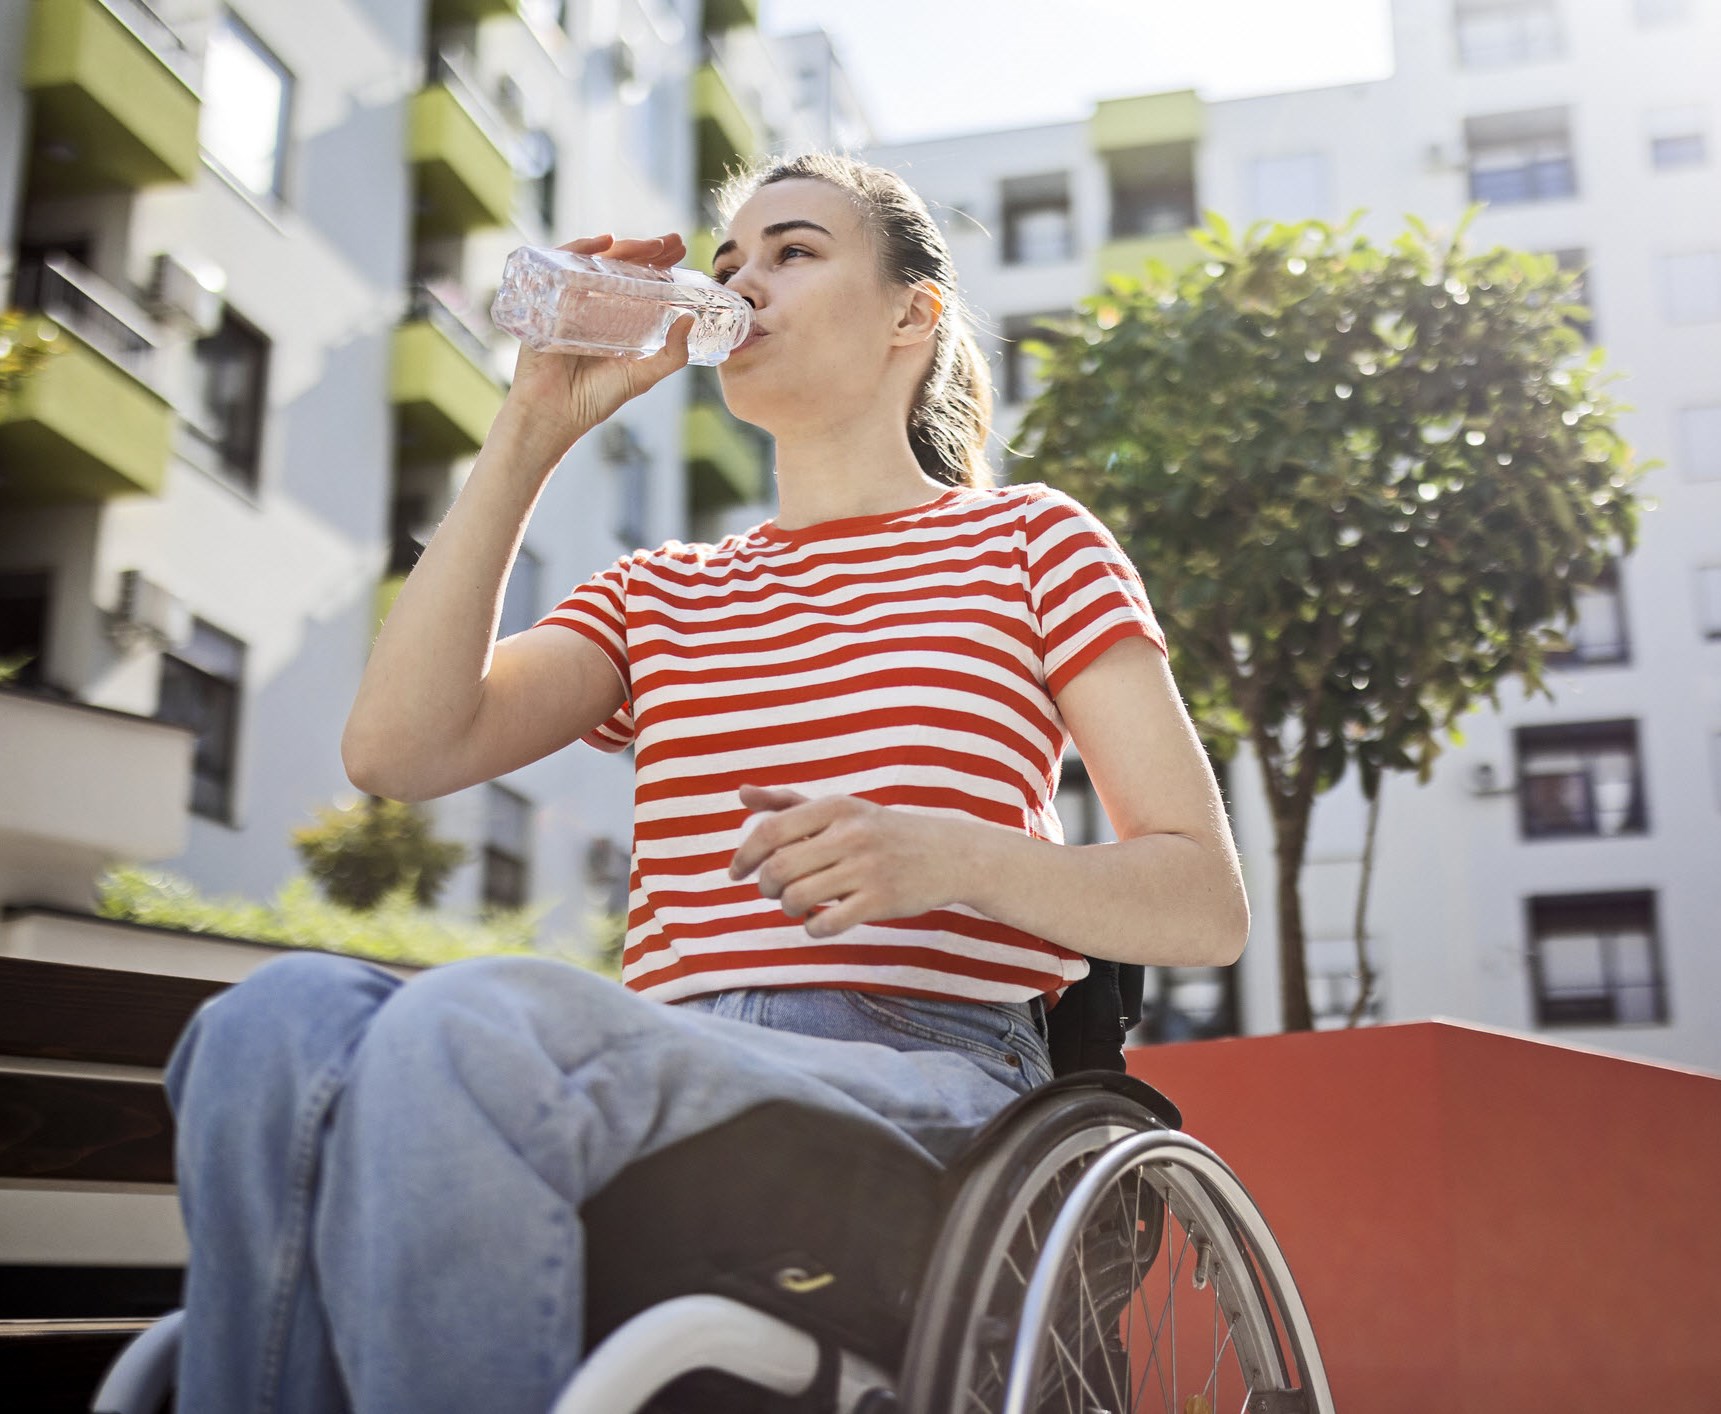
point(268, 238)
point(1558, 873)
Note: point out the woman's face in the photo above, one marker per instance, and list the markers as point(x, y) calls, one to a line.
point(832, 346)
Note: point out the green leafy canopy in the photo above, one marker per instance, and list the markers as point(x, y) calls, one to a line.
point(1360, 483)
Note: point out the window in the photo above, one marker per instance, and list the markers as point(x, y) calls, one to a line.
point(1678, 137)
point(521, 599)
point(1691, 287)
point(1709, 600)
point(1579, 779)
point(630, 462)
point(1662, 12)
point(1595, 960)
point(1022, 380)
point(1078, 806)
point(247, 94)
point(1037, 223)
point(1520, 157)
point(1599, 634)
point(1294, 187)
point(1578, 262)
point(24, 624)
point(1492, 33)
point(1186, 1004)
point(607, 873)
point(232, 371)
point(1334, 983)
point(1153, 191)
point(507, 847)
point(200, 689)
point(1700, 443)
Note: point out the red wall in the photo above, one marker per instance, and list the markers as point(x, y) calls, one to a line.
point(1477, 1219)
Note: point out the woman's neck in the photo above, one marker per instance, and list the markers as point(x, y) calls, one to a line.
point(840, 472)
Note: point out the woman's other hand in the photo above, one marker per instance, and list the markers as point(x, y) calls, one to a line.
point(866, 862)
point(572, 393)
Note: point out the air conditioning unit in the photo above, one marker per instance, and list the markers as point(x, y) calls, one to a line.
point(148, 616)
point(186, 292)
point(511, 101)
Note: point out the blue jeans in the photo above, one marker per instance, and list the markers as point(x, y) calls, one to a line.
point(381, 1180)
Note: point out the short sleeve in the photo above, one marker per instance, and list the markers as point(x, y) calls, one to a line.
point(1086, 593)
point(597, 610)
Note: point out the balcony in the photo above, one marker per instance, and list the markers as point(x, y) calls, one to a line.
point(444, 395)
point(469, 12)
point(722, 15)
point(114, 99)
point(461, 154)
point(1147, 121)
point(724, 132)
point(1127, 254)
point(51, 447)
point(725, 457)
point(85, 788)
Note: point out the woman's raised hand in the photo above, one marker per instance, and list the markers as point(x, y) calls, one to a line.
point(573, 393)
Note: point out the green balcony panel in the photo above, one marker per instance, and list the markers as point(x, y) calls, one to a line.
point(724, 464)
point(386, 593)
point(458, 12)
point(465, 181)
point(108, 113)
point(1128, 255)
point(1146, 121)
point(53, 449)
point(730, 14)
point(444, 401)
point(724, 131)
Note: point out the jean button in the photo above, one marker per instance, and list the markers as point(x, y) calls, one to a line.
point(1013, 1060)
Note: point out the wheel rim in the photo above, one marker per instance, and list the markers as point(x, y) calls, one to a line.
point(1143, 1291)
point(1183, 1315)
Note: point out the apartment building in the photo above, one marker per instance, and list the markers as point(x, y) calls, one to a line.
point(1558, 873)
point(267, 239)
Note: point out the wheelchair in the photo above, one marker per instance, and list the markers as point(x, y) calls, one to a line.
point(1080, 1255)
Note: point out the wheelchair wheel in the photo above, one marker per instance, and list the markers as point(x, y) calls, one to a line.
point(1103, 1264)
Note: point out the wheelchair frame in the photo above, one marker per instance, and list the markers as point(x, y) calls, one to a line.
point(1095, 1125)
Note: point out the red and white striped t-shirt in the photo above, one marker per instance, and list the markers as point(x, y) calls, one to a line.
point(910, 659)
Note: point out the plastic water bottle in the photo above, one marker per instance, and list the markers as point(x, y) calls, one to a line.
point(562, 301)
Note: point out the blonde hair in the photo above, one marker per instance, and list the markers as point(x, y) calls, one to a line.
point(950, 418)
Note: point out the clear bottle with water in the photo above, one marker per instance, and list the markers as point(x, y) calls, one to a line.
point(564, 302)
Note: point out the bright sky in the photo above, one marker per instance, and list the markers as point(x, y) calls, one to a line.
point(931, 68)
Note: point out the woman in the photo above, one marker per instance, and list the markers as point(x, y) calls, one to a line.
point(847, 884)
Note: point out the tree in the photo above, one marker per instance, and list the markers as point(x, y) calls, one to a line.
point(359, 853)
point(26, 340)
point(1359, 484)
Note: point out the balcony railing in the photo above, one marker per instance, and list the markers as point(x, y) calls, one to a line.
point(154, 31)
point(100, 314)
point(423, 302)
point(449, 69)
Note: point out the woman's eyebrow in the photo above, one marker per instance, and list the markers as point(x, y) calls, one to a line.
point(775, 230)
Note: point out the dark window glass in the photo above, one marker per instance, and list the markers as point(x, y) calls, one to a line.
point(1595, 960)
point(507, 847)
point(200, 687)
point(1582, 778)
point(233, 366)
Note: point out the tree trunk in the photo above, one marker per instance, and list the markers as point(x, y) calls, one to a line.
point(1365, 973)
point(1293, 961)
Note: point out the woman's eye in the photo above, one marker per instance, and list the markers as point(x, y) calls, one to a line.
point(722, 276)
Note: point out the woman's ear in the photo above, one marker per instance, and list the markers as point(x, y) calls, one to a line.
point(921, 312)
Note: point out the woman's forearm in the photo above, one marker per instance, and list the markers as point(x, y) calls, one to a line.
point(1164, 899)
point(421, 687)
